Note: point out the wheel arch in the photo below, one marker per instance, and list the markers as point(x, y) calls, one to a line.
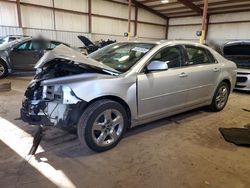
point(6, 63)
point(116, 99)
point(226, 80)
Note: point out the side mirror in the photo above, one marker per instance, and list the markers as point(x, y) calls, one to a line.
point(157, 66)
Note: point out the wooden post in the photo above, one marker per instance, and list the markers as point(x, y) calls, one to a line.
point(54, 15)
point(129, 19)
point(167, 27)
point(136, 21)
point(207, 25)
point(204, 19)
point(19, 17)
point(90, 15)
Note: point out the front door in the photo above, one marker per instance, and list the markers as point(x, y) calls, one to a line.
point(162, 91)
point(25, 56)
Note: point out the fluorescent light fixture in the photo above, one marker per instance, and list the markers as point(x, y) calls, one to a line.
point(164, 1)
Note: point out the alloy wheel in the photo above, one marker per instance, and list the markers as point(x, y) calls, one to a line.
point(107, 127)
point(221, 97)
point(2, 70)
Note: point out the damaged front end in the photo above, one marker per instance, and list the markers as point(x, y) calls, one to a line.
point(48, 99)
point(54, 105)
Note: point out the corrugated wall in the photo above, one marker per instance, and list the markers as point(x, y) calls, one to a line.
point(220, 27)
point(67, 25)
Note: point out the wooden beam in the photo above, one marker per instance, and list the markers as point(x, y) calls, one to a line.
point(90, 15)
point(19, 16)
point(54, 15)
point(167, 28)
point(118, 2)
point(207, 25)
point(192, 6)
point(204, 22)
point(129, 18)
point(136, 21)
point(168, 4)
point(140, 5)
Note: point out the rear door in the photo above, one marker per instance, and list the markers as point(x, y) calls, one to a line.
point(25, 55)
point(203, 70)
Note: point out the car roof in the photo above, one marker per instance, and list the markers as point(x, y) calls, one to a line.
point(32, 38)
point(169, 42)
point(237, 42)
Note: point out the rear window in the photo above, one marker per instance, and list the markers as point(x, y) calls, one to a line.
point(242, 49)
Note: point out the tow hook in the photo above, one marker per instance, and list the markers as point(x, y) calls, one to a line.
point(37, 139)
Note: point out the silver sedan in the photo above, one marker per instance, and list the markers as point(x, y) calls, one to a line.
point(124, 85)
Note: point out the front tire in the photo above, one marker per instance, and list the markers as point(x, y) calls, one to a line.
point(102, 125)
point(3, 69)
point(220, 97)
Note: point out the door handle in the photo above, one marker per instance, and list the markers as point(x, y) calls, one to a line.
point(216, 69)
point(183, 75)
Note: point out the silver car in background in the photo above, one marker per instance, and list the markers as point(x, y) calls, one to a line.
point(239, 53)
point(123, 85)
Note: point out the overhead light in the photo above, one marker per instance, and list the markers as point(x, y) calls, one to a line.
point(164, 1)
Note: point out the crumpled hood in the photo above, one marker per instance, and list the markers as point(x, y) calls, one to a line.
point(67, 53)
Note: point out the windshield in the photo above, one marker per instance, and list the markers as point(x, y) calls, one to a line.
point(122, 56)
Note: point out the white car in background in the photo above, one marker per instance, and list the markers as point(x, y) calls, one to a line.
point(239, 52)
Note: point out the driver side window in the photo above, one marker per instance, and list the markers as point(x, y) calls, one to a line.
point(171, 55)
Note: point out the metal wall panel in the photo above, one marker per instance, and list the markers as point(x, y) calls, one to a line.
point(110, 26)
point(71, 37)
point(151, 31)
point(40, 21)
point(183, 32)
point(76, 5)
point(185, 20)
point(48, 3)
point(71, 22)
point(35, 17)
point(229, 31)
point(146, 16)
point(10, 31)
point(217, 30)
point(102, 7)
point(8, 14)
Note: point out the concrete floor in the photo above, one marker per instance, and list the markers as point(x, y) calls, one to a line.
point(186, 150)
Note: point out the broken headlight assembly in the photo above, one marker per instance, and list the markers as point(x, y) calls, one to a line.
point(50, 105)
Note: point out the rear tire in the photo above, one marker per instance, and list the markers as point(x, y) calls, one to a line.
point(3, 69)
point(102, 125)
point(220, 97)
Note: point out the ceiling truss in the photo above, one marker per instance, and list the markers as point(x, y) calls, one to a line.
point(183, 8)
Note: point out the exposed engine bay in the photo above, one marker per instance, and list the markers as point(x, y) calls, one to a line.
point(55, 105)
point(48, 99)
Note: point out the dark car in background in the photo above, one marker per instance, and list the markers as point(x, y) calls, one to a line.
point(90, 47)
point(21, 56)
point(239, 52)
